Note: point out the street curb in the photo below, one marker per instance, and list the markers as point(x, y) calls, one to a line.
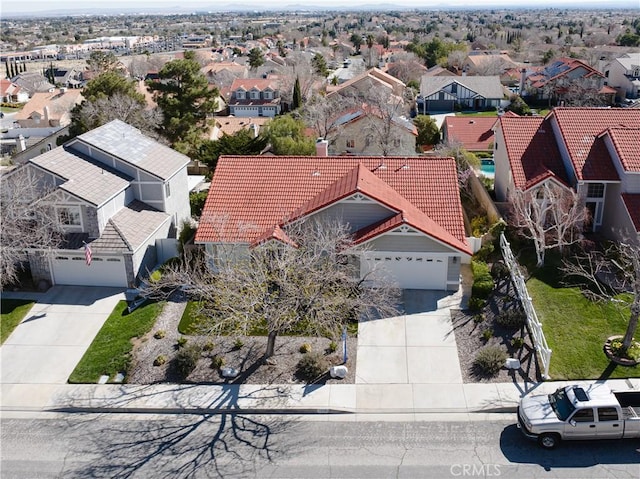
point(198, 411)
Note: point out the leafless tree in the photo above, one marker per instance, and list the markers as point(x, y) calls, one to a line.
point(384, 111)
point(465, 161)
point(298, 66)
point(602, 275)
point(27, 220)
point(122, 107)
point(312, 283)
point(406, 70)
point(321, 113)
point(551, 216)
point(456, 59)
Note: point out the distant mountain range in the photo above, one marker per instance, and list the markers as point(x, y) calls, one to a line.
point(104, 9)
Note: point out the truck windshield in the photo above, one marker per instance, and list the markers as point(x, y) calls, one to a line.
point(561, 404)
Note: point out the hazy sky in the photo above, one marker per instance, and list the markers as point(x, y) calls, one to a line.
point(33, 6)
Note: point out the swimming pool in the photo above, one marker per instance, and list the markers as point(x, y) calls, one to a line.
point(488, 167)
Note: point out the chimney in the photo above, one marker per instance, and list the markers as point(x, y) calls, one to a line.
point(322, 147)
point(21, 143)
point(254, 129)
point(523, 77)
point(45, 111)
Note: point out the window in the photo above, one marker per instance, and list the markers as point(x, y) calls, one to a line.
point(396, 142)
point(595, 190)
point(255, 94)
point(607, 414)
point(167, 190)
point(267, 95)
point(583, 415)
point(351, 143)
point(69, 216)
point(240, 95)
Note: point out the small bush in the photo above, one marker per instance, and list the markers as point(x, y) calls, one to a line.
point(312, 366)
point(237, 344)
point(478, 318)
point(476, 304)
point(499, 271)
point(159, 334)
point(487, 334)
point(217, 362)
point(160, 360)
point(484, 253)
point(632, 353)
point(490, 360)
point(196, 201)
point(512, 319)
point(187, 359)
point(305, 348)
point(181, 342)
point(333, 347)
point(479, 226)
point(517, 342)
point(482, 280)
point(208, 346)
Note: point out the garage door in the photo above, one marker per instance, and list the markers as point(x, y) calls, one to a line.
point(103, 271)
point(409, 270)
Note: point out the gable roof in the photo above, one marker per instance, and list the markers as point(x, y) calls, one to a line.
point(356, 114)
point(257, 83)
point(84, 178)
point(375, 76)
point(58, 102)
point(626, 142)
point(532, 151)
point(251, 195)
point(473, 133)
point(632, 203)
point(129, 145)
point(486, 86)
point(581, 130)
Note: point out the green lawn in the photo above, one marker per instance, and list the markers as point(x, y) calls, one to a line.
point(576, 330)
point(110, 351)
point(13, 311)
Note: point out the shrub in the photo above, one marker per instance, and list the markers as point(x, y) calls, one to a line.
point(196, 201)
point(181, 342)
point(487, 334)
point(160, 360)
point(490, 360)
point(187, 359)
point(478, 318)
point(217, 362)
point(333, 347)
point(517, 342)
point(482, 280)
point(632, 353)
point(312, 366)
point(476, 304)
point(208, 346)
point(159, 334)
point(499, 270)
point(511, 319)
point(479, 226)
point(484, 253)
point(305, 348)
point(238, 343)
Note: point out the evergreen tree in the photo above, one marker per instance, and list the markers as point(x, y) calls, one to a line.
point(285, 134)
point(256, 58)
point(297, 95)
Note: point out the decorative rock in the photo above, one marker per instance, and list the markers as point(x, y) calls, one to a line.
point(513, 363)
point(229, 372)
point(119, 378)
point(339, 372)
point(103, 379)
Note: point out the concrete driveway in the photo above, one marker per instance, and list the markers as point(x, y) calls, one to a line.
point(45, 348)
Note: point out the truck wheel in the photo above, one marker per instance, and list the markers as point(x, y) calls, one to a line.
point(548, 440)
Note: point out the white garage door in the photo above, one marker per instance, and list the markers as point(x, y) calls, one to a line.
point(409, 270)
point(103, 271)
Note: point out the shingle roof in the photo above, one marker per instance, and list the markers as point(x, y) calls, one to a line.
point(532, 150)
point(487, 86)
point(250, 195)
point(632, 203)
point(473, 133)
point(581, 128)
point(626, 141)
point(85, 178)
point(130, 145)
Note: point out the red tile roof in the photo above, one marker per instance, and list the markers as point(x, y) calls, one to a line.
point(258, 83)
point(532, 150)
point(473, 133)
point(581, 128)
point(249, 196)
point(632, 203)
point(626, 141)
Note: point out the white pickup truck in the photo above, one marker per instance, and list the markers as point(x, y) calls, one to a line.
point(580, 413)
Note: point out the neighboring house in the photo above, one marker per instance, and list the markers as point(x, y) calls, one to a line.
point(12, 93)
point(593, 150)
point(224, 72)
point(371, 80)
point(67, 77)
point(407, 210)
point(51, 108)
point(623, 74)
point(252, 97)
point(360, 131)
point(565, 79)
point(438, 71)
point(229, 125)
point(119, 192)
point(32, 82)
point(445, 93)
point(474, 134)
point(482, 62)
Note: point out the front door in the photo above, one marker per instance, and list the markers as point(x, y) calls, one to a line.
point(581, 425)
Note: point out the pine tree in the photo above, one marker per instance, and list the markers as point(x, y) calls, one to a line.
point(297, 95)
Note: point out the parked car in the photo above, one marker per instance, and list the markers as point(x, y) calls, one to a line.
point(580, 413)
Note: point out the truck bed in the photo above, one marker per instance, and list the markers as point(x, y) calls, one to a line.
point(630, 403)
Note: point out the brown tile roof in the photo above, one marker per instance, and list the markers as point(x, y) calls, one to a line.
point(581, 128)
point(58, 103)
point(233, 124)
point(626, 141)
point(632, 203)
point(532, 150)
point(473, 133)
point(251, 195)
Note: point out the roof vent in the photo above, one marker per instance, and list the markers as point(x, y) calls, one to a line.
point(472, 121)
point(315, 173)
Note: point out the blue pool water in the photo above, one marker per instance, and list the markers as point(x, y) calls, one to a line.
point(488, 167)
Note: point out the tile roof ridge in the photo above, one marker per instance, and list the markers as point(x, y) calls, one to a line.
point(120, 233)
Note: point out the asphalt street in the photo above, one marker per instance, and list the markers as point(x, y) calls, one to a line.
point(177, 446)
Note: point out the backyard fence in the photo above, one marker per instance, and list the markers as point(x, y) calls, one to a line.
point(535, 327)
